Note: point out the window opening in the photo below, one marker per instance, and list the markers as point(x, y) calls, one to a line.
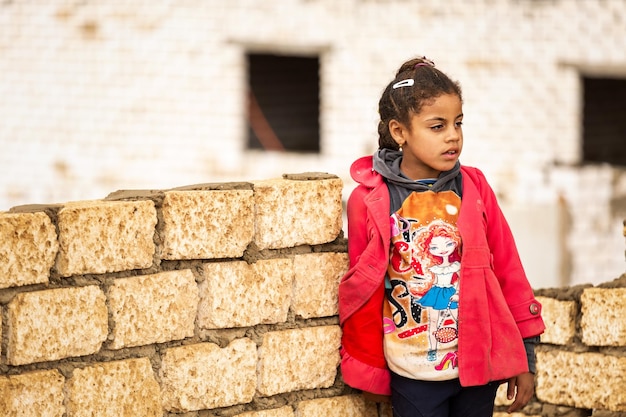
point(604, 124)
point(283, 103)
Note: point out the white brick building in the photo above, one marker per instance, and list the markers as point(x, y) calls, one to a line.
point(101, 95)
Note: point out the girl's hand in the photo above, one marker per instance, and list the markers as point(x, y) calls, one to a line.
point(522, 388)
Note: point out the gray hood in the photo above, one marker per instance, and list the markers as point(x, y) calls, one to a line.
point(387, 164)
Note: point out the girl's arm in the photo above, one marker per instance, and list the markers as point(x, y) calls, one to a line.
point(363, 364)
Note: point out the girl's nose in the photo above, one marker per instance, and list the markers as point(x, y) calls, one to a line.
point(454, 134)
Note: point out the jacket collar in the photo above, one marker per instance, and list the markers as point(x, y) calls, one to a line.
point(362, 171)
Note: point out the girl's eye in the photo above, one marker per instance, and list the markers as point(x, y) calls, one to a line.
point(437, 127)
point(459, 124)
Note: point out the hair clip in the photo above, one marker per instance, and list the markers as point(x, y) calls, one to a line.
point(404, 83)
point(427, 63)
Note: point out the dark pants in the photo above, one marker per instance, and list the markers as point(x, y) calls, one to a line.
point(411, 398)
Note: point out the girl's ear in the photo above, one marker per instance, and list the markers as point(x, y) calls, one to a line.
point(397, 131)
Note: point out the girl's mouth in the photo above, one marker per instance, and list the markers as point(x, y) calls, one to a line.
point(451, 155)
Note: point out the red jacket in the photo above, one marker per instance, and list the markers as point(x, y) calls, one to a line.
point(497, 307)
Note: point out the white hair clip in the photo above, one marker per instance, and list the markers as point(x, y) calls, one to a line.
point(404, 83)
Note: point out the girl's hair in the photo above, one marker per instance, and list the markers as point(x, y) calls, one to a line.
point(417, 82)
point(438, 229)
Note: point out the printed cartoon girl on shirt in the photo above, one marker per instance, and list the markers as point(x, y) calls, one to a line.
point(420, 315)
point(439, 245)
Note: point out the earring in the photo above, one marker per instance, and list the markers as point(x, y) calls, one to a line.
point(400, 148)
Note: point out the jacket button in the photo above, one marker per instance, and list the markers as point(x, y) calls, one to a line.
point(534, 309)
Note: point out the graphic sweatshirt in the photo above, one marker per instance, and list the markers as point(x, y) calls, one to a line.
point(420, 314)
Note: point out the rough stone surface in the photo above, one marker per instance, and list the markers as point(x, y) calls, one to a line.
point(238, 294)
point(53, 324)
point(207, 224)
point(105, 236)
point(602, 413)
point(289, 213)
point(603, 312)
point(385, 410)
point(123, 388)
point(344, 406)
point(562, 411)
point(313, 364)
point(153, 309)
point(560, 320)
point(582, 380)
point(37, 393)
point(201, 376)
point(501, 395)
point(276, 412)
point(28, 247)
point(316, 283)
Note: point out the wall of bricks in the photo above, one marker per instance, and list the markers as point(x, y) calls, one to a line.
point(214, 298)
point(100, 95)
point(581, 362)
point(221, 299)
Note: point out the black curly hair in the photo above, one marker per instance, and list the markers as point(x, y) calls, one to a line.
point(400, 103)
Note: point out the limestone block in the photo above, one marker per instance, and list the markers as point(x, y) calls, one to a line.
point(123, 388)
point(514, 415)
point(385, 410)
point(603, 312)
point(344, 406)
point(38, 393)
point(238, 294)
point(207, 224)
point(560, 320)
point(599, 413)
point(276, 412)
point(501, 395)
point(28, 247)
point(153, 308)
point(316, 283)
point(310, 362)
point(106, 236)
point(203, 376)
point(583, 380)
point(54, 324)
point(289, 213)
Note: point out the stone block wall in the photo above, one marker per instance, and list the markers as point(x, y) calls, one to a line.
point(581, 361)
point(214, 298)
point(221, 299)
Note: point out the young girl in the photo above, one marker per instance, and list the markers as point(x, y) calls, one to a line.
point(436, 309)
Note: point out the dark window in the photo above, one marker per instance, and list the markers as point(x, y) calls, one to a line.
point(604, 120)
point(283, 103)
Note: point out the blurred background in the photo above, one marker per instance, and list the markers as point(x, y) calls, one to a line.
point(97, 96)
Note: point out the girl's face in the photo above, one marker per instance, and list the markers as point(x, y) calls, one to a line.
point(434, 140)
point(441, 246)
